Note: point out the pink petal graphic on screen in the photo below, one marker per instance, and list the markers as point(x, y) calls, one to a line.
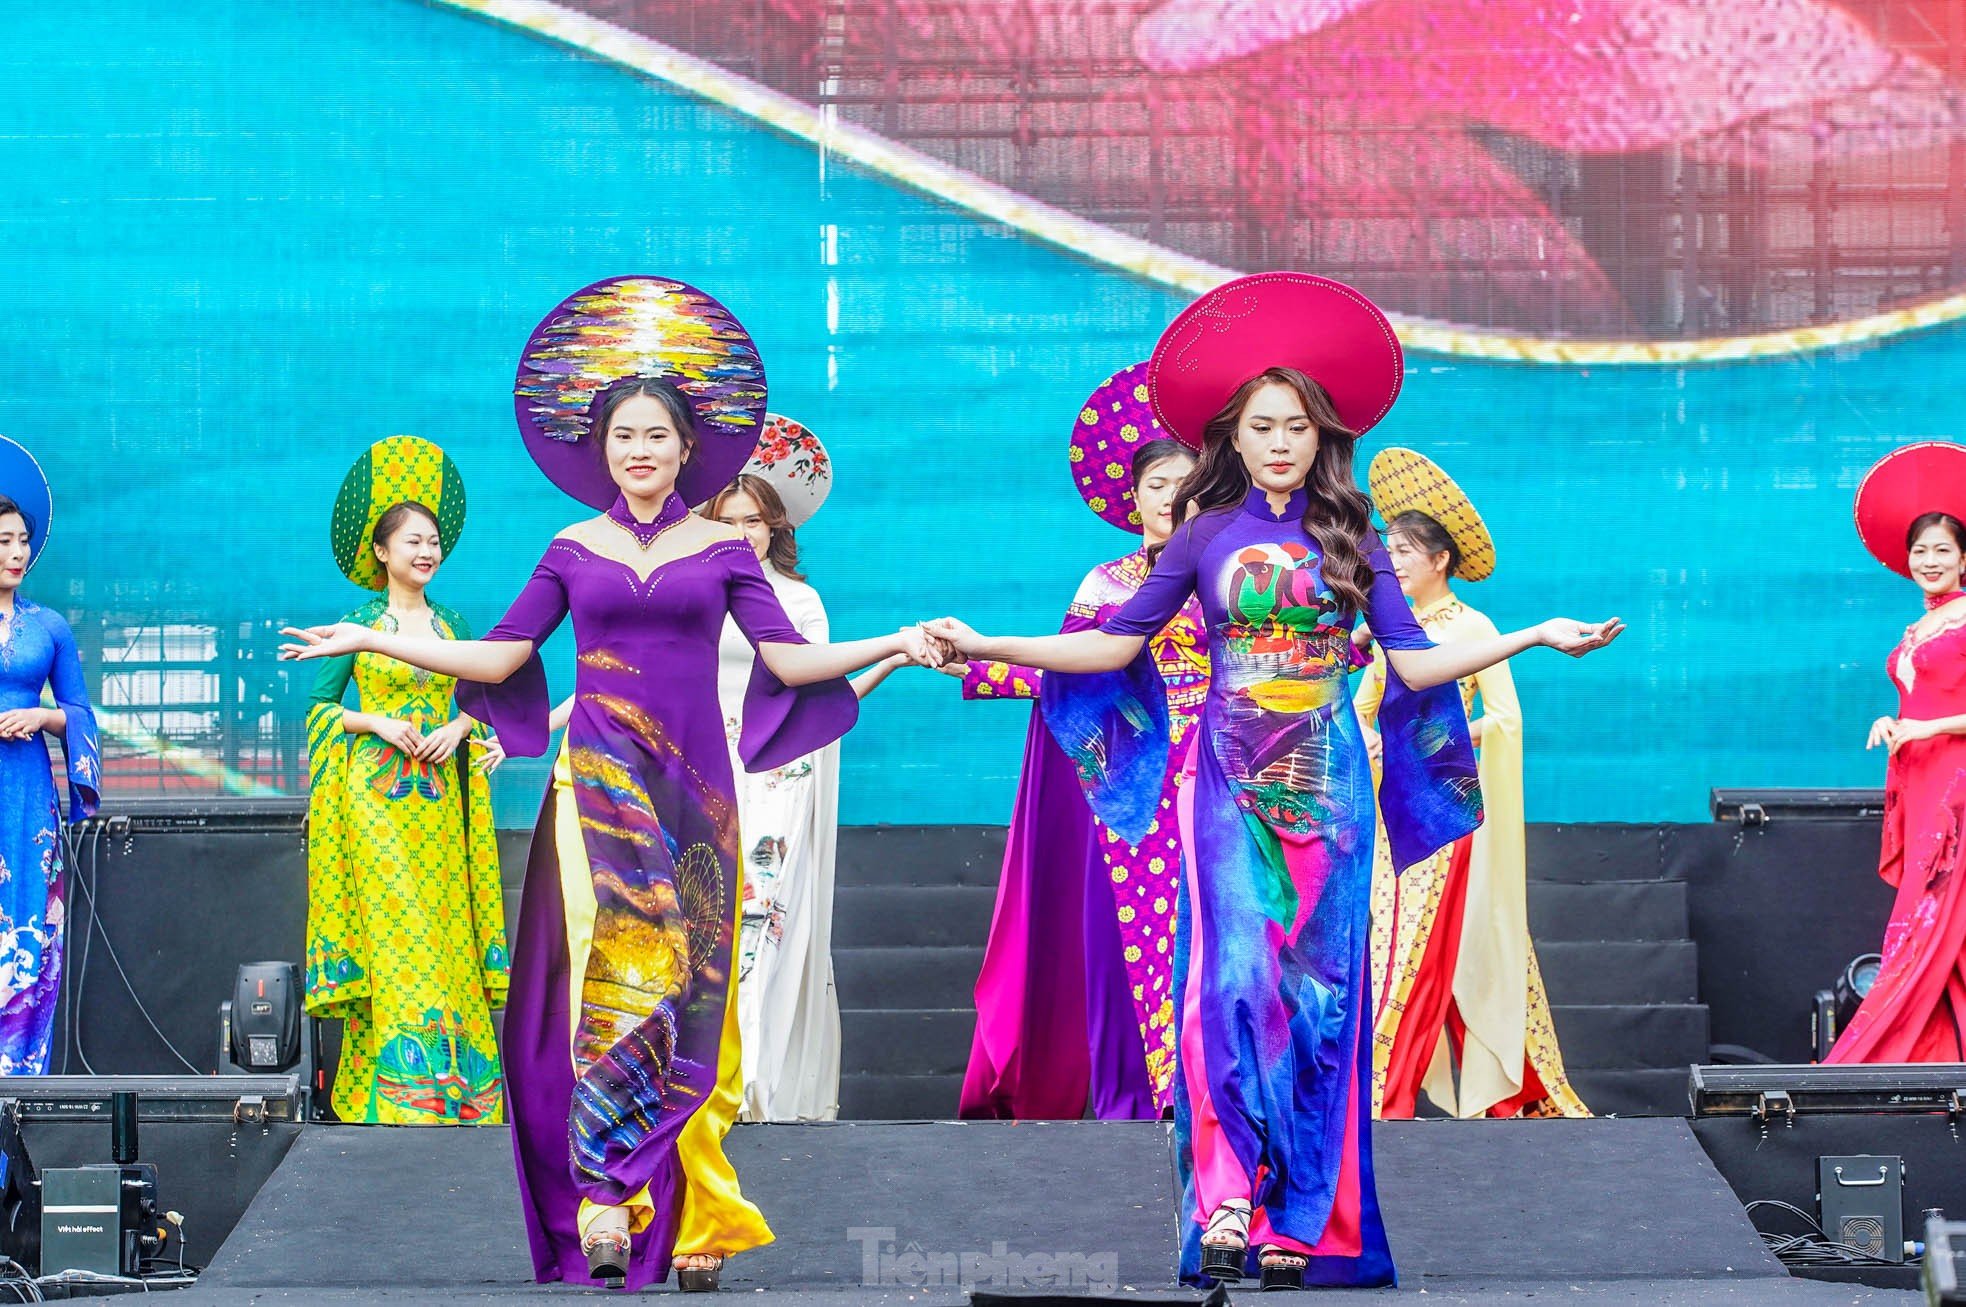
point(1528, 164)
point(1594, 76)
point(1185, 36)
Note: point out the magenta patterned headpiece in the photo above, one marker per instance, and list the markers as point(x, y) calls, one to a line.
point(628, 328)
point(1114, 422)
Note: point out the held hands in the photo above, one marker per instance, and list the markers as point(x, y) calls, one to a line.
point(403, 736)
point(961, 639)
point(23, 723)
point(1578, 638)
point(1896, 732)
point(441, 744)
point(324, 641)
point(923, 648)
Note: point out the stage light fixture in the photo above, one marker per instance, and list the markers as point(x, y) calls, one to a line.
point(264, 1029)
point(1833, 1008)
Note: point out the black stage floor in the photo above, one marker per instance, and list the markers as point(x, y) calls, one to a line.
point(1626, 1211)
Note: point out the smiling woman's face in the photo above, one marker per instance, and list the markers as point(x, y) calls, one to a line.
point(1936, 560)
point(412, 553)
point(645, 450)
point(1276, 438)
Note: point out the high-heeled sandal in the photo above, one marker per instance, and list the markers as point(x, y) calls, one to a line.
point(607, 1257)
point(1282, 1268)
point(1220, 1260)
point(700, 1279)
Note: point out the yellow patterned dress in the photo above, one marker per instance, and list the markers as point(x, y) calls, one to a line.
point(405, 923)
point(1486, 1045)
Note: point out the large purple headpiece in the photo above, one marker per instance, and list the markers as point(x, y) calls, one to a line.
point(628, 328)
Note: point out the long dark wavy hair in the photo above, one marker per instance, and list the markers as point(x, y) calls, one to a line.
point(783, 551)
point(1338, 515)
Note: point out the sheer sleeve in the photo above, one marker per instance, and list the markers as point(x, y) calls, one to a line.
point(1164, 592)
point(515, 709)
point(780, 722)
point(79, 746)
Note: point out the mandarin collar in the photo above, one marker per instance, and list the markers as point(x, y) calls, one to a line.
point(673, 510)
point(1257, 504)
point(1439, 605)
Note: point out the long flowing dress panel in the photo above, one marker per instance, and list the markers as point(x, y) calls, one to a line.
point(1082, 910)
point(1273, 1025)
point(1916, 1008)
point(622, 1096)
point(37, 650)
point(405, 915)
point(1453, 966)
point(788, 1013)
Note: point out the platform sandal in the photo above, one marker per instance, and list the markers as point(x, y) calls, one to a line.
point(1282, 1269)
point(700, 1279)
point(1221, 1260)
point(607, 1257)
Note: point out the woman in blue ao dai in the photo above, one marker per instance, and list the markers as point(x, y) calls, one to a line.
point(1273, 1091)
point(37, 651)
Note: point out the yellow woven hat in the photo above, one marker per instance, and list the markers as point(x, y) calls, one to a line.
point(389, 472)
point(1407, 481)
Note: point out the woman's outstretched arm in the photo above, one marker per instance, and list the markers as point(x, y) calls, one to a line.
point(486, 661)
point(805, 664)
point(1424, 668)
point(1075, 651)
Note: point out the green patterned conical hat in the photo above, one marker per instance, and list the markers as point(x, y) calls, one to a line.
point(389, 472)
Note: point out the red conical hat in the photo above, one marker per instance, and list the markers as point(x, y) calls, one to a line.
point(1903, 486)
point(1323, 328)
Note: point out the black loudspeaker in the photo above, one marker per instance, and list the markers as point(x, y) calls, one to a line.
point(1783, 891)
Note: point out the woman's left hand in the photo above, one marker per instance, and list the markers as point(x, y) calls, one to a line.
point(1909, 729)
point(490, 753)
point(922, 648)
point(1578, 638)
point(441, 744)
point(23, 723)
